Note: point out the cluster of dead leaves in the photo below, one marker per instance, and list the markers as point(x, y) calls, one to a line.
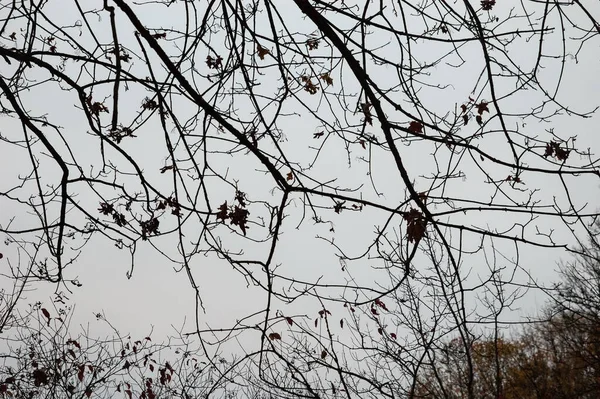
point(326, 77)
point(108, 209)
point(481, 108)
point(309, 86)
point(236, 214)
point(340, 206)
point(487, 5)
point(149, 104)
point(95, 107)
point(119, 133)
point(51, 42)
point(322, 314)
point(214, 63)
point(172, 203)
point(149, 226)
point(553, 149)
point(515, 179)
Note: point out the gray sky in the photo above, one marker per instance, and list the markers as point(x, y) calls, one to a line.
point(156, 295)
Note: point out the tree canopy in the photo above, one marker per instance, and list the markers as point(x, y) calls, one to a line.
point(360, 196)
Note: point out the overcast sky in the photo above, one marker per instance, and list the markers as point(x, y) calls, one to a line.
point(158, 296)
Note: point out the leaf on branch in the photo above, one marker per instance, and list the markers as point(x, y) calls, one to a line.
point(289, 320)
point(119, 133)
point(465, 119)
point(366, 110)
point(290, 176)
point(415, 127)
point(339, 206)
point(326, 77)
point(515, 179)
point(239, 217)
point(323, 354)
point(157, 36)
point(149, 227)
point(80, 372)
point(149, 103)
point(240, 197)
point(274, 336)
point(393, 335)
point(553, 149)
point(479, 120)
point(312, 44)
point(95, 107)
point(482, 107)
point(119, 219)
point(416, 225)
point(341, 323)
point(106, 209)
point(214, 63)
point(309, 86)
point(46, 314)
point(222, 214)
point(380, 303)
point(363, 144)
point(318, 135)
point(261, 51)
point(487, 5)
point(165, 168)
point(125, 57)
point(463, 108)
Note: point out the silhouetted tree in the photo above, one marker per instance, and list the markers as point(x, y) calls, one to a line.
point(377, 175)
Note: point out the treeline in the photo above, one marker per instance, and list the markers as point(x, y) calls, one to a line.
point(556, 356)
